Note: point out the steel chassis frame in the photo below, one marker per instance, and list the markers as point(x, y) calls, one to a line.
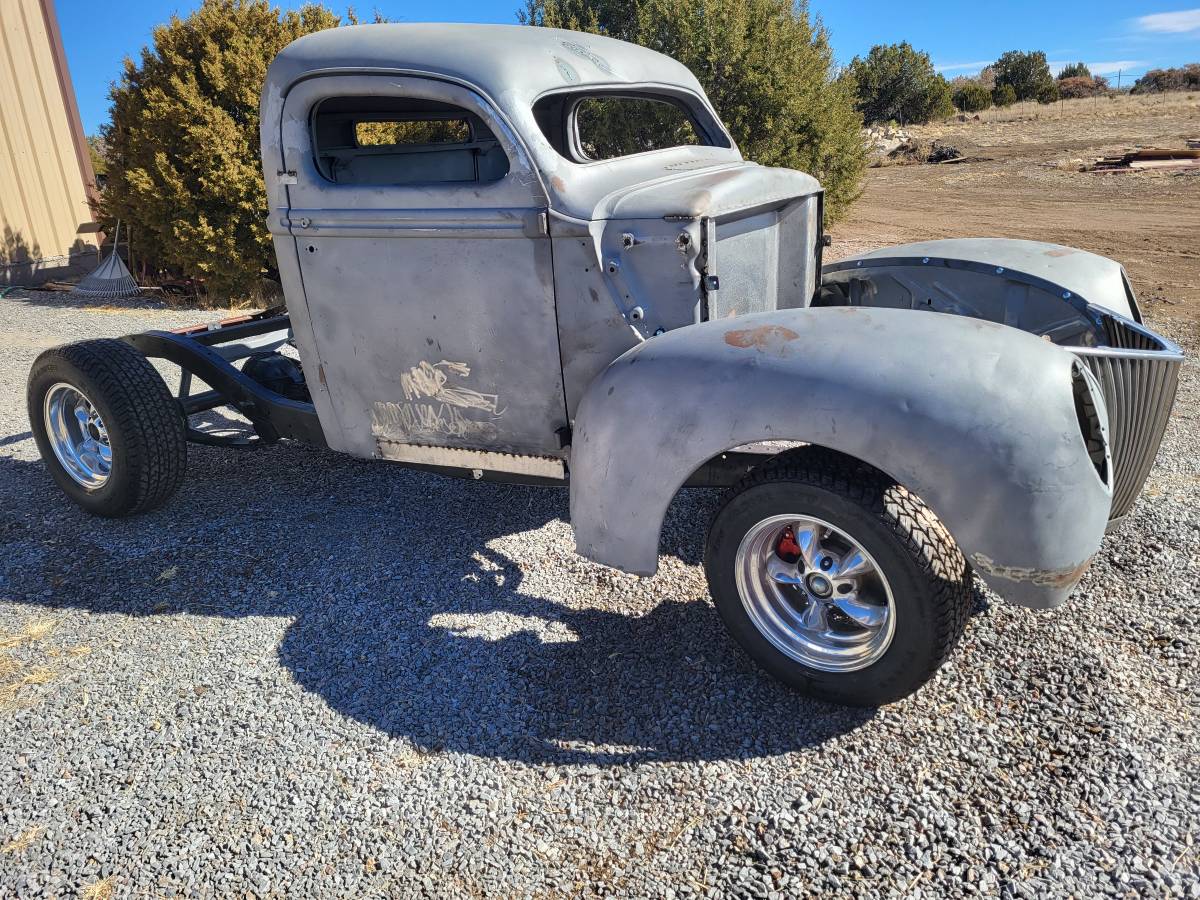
point(208, 353)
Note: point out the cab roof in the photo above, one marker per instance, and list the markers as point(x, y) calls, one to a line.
point(498, 59)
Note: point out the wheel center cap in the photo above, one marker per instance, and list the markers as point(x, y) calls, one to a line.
point(819, 585)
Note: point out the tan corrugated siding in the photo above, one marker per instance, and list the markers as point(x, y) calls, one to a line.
point(43, 197)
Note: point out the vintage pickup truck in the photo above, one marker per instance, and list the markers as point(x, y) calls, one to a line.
point(536, 255)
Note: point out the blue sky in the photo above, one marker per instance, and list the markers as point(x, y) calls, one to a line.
point(1107, 34)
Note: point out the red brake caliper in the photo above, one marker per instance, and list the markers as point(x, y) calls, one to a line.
point(786, 547)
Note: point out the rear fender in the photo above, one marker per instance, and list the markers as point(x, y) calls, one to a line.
point(977, 419)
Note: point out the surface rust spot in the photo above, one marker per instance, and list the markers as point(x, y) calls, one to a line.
point(1058, 578)
point(763, 338)
point(1060, 251)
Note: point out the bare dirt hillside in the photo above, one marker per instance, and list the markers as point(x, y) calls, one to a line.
point(1027, 185)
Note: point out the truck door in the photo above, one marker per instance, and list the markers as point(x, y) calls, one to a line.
point(419, 225)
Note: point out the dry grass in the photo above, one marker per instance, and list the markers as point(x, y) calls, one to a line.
point(1112, 107)
point(16, 676)
point(34, 630)
point(101, 890)
point(19, 679)
point(23, 841)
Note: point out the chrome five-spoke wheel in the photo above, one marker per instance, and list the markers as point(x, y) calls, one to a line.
point(835, 579)
point(815, 593)
point(78, 435)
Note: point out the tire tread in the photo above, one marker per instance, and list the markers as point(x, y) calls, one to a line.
point(925, 538)
point(144, 413)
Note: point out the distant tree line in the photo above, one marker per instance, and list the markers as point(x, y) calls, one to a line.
point(898, 83)
point(1159, 81)
point(1026, 76)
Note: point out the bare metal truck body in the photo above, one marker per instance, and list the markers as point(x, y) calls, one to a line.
point(482, 280)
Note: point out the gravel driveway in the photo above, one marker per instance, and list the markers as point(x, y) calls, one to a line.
point(313, 676)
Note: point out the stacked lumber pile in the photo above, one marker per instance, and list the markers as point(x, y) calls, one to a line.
point(1150, 158)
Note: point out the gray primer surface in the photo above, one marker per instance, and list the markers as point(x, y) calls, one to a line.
point(387, 280)
point(976, 418)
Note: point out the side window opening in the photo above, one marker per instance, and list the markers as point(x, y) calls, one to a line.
point(602, 125)
point(403, 141)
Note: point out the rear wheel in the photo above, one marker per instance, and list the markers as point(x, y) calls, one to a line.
point(836, 580)
point(106, 426)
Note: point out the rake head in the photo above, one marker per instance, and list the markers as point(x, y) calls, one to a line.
point(111, 280)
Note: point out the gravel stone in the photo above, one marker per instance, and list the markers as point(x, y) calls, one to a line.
point(314, 676)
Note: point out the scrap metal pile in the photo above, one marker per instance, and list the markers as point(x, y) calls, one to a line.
point(1152, 158)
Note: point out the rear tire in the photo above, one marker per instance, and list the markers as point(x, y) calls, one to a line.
point(860, 592)
point(108, 429)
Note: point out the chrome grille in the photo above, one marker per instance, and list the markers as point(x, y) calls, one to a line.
point(1139, 373)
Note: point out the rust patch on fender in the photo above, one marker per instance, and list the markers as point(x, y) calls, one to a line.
point(558, 183)
point(763, 338)
point(1058, 578)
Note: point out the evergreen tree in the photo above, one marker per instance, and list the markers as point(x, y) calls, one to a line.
point(897, 83)
point(1074, 70)
point(182, 149)
point(1028, 74)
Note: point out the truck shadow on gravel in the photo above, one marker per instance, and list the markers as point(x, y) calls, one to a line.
point(453, 615)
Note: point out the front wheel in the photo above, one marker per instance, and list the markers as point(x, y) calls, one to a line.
point(836, 580)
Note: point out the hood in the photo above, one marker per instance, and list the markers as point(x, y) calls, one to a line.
point(711, 192)
point(1097, 279)
point(682, 182)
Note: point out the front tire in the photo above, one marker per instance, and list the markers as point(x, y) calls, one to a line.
point(836, 580)
point(106, 426)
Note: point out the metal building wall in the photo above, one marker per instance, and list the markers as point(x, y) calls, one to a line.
point(46, 227)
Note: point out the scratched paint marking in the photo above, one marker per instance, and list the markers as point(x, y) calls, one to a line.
point(432, 381)
point(590, 55)
point(399, 421)
point(436, 406)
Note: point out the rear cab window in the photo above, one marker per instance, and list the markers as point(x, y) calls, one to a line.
point(403, 141)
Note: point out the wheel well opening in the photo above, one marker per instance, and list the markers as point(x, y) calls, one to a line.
point(730, 466)
point(727, 469)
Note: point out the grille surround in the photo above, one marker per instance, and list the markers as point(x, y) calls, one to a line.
point(1139, 374)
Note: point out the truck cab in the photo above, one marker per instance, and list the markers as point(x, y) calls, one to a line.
point(505, 213)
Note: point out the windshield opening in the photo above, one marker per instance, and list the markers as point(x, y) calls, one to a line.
point(595, 126)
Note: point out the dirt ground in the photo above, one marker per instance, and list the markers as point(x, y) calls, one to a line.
point(1026, 184)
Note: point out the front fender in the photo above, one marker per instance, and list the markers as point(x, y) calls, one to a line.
point(978, 419)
